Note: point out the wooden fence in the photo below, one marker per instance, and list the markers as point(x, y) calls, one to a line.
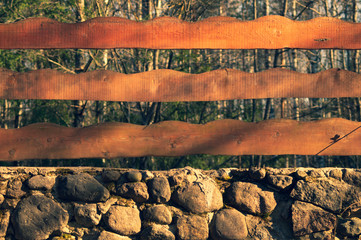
point(174, 138)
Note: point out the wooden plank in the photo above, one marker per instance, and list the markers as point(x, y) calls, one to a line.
point(172, 138)
point(269, 32)
point(169, 85)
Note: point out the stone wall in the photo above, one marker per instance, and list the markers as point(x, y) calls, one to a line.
point(93, 203)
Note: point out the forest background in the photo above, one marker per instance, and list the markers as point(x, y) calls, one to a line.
point(18, 113)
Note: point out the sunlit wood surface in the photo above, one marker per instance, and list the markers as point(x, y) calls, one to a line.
point(269, 32)
point(168, 85)
point(173, 138)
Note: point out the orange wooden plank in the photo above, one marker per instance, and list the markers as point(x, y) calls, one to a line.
point(270, 32)
point(172, 138)
point(169, 85)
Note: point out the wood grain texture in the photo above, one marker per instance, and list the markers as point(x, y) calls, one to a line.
point(269, 32)
point(169, 85)
point(173, 138)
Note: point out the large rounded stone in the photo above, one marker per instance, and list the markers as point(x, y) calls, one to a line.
point(158, 214)
point(156, 232)
point(192, 227)
point(123, 220)
point(307, 219)
point(159, 190)
point(251, 198)
point(199, 197)
point(228, 224)
point(82, 187)
point(37, 216)
point(135, 190)
point(39, 182)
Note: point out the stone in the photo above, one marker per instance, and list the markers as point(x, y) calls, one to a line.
point(349, 227)
point(37, 216)
point(353, 210)
point(280, 182)
point(300, 175)
point(104, 207)
point(352, 177)
point(330, 194)
point(257, 174)
point(192, 227)
point(307, 219)
point(134, 176)
point(110, 175)
point(4, 221)
point(137, 191)
point(82, 187)
point(156, 232)
point(336, 173)
point(251, 198)
point(316, 173)
point(87, 215)
point(2, 198)
point(147, 175)
point(39, 182)
point(10, 203)
point(123, 220)
point(3, 186)
point(158, 214)
point(199, 197)
point(228, 224)
point(159, 190)
point(105, 235)
point(15, 189)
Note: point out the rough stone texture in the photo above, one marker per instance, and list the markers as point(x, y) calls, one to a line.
point(333, 194)
point(123, 220)
point(336, 173)
point(39, 182)
point(4, 222)
point(156, 232)
point(335, 190)
point(251, 198)
point(82, 187)
point(199, 197)
point(105, 235)
point(87, 215)
point(110, 175)
point(280, 182)
point(352, 177)
point(137, 191)
point(228, 224)
point(3, 186)
point(349, 227)
point(307, 219)
point(15, 189)
point(37, 216)
point(134, 176)
point(159, 190)
point(104, 207)
point(192, 227)
point(2, 198)
point(157, 214)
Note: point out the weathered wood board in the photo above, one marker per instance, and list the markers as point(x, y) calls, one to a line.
point(269, 32)
point(172, 138)
point(168, 85)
